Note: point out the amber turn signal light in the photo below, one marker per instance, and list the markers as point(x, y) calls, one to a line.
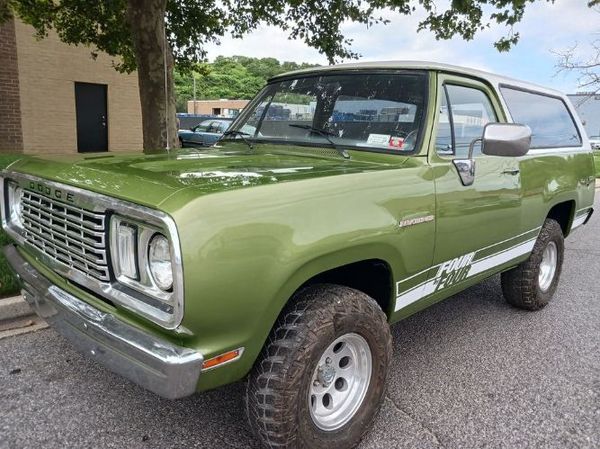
point(222, 358)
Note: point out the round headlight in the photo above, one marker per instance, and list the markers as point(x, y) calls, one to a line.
point(159, 262)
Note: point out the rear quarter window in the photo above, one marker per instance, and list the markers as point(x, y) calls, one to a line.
point(551, 123)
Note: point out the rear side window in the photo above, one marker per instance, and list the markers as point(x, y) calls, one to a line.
point(550, 121)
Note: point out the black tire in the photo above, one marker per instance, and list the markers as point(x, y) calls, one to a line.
point(521, 286)
point(181, 143)
point(277, 395)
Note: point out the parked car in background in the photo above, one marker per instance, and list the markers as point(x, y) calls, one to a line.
point(204, 134)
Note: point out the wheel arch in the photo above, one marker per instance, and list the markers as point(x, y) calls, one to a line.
point(365, 267)
point(563, 212)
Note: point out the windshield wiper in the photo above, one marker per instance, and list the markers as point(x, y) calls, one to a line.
point(323, 133)
point(242, 134)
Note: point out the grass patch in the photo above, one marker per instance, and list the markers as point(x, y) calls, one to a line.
point(597, 161)
point(9, 286)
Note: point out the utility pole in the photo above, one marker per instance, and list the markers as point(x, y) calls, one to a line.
point(194, 76)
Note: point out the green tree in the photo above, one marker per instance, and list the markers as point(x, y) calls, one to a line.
point(151, 35)
point(237, 77)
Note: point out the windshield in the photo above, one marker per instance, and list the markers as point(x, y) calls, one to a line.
point(366, 111)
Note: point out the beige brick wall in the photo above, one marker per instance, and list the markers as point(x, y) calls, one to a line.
point(207, 106)
point(11, 138)
point(48, 70)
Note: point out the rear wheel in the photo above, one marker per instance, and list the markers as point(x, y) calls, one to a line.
point(532, 284)
point(321, 377)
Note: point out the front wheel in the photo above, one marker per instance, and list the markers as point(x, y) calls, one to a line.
point(532, 284)
point(320, 379)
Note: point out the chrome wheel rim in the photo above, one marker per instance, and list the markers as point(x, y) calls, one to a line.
point(340, 382)
point(548, 266)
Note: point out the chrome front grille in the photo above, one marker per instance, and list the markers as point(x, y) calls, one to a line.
point(71, 235)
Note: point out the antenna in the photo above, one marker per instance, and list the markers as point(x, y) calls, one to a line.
point(168, 148)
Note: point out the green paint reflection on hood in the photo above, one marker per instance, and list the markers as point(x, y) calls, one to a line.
point(151, 179)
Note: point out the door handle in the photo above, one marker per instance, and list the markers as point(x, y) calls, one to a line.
point(514, 172)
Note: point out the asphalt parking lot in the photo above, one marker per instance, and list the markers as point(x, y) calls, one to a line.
point(470, 372)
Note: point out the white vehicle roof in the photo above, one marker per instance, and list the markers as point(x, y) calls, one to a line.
point(491, 78)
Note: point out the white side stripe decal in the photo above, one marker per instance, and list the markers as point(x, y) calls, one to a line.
point(457, 270)
point(578, 222)
point(481, 249)
point(501, 258)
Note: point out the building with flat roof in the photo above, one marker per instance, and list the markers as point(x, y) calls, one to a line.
point(55, 98)
point(220, 108)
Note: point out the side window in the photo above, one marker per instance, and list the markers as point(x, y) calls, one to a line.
point(213, 127)
point(463, 120)
point(470, 111)
point(202, 127)
point(548, 117)
point(443, 141)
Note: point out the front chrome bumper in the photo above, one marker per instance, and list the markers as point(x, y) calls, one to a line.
point(149, 361)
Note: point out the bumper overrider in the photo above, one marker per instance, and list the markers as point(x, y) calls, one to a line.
point(153, 363)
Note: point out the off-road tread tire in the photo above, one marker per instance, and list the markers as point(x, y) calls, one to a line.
point(520, 285)
point(277, 388)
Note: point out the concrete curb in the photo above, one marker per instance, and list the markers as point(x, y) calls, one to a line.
point(12, 308)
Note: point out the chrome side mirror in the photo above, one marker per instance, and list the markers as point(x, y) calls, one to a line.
point(506, 139)
point(498, 139)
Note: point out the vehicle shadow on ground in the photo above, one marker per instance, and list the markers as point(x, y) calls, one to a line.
point(217, 418)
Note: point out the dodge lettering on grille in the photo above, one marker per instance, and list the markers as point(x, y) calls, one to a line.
point(52, 192)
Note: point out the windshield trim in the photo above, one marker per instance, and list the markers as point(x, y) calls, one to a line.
point(241, 119)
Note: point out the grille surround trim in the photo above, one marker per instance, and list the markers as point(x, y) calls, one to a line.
point(97, 203)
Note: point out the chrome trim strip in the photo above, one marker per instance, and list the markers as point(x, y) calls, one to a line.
point(150, 361)
point(569, 150)
point(114, 291)
point(581, 219)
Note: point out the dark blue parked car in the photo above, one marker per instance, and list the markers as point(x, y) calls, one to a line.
point(205, 134)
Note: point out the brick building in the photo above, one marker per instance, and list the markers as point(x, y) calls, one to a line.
point(54, 98)
point(221, 108)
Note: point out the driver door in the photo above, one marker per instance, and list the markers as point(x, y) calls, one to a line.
point(479, 225)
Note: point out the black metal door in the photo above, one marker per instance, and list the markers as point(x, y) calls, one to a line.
point(92, 120)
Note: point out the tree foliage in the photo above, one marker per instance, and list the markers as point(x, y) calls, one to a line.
point(192, 24)
point(235, 77)
point(122, 28)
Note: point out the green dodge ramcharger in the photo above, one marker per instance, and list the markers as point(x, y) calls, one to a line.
point(341, 200)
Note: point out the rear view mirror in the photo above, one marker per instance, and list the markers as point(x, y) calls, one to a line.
point(505, 139)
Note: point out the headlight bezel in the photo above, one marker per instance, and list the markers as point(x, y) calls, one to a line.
point(13, 189)
point(144, 282)
point(162, 303)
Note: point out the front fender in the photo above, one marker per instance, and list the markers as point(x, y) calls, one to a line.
point(246, 252)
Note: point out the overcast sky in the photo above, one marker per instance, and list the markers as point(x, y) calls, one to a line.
point(545, 27)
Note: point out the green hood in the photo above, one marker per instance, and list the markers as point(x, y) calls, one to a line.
point(151, 179)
